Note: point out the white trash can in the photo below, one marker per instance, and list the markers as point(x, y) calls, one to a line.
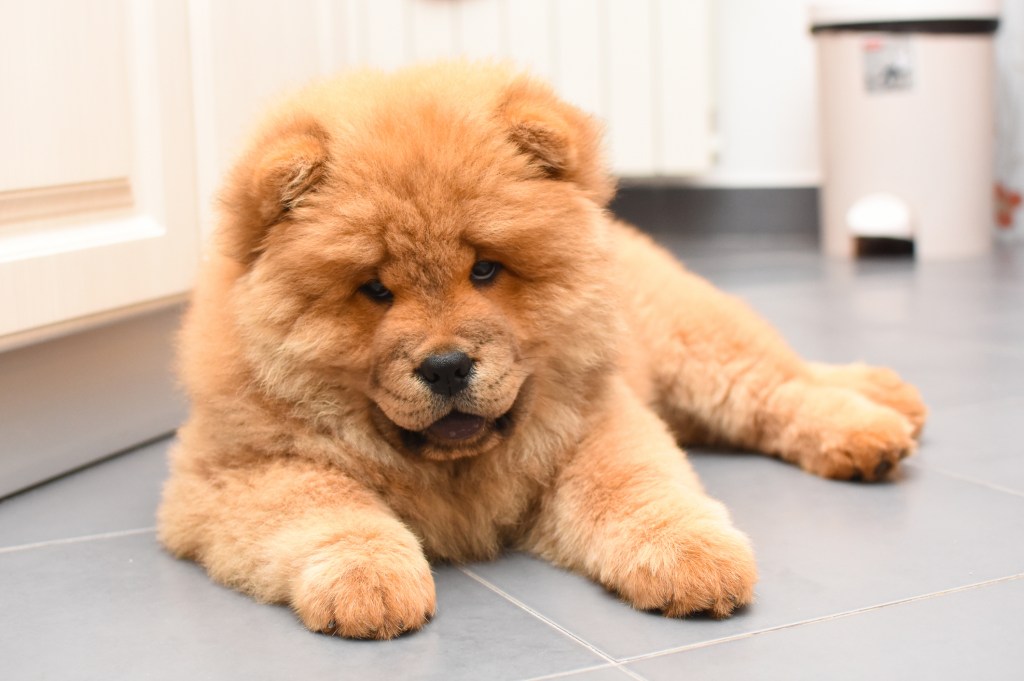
point(906, 97)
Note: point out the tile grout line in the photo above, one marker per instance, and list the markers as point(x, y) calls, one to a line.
point(612, 662)
point(816, 620)
point(583, 670)
point(76, 540)
point(965, 478)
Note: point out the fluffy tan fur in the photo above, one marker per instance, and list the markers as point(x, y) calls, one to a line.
point(308, 472)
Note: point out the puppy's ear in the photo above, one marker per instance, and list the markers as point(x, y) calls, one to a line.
point(563, 142)
point(281, 167)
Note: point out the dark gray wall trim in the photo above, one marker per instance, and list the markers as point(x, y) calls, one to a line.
point(705, 211)
point(77, 399)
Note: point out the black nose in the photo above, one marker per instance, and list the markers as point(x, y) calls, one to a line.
point(448, 373)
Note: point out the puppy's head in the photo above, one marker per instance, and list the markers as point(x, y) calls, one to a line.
point(424, 255)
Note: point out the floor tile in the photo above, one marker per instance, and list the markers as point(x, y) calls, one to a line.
point(823, 548)
point(990, 314)
point(973, 634)
point(980, 442)
point(748, 269)
point(123, 609)
point(118, 494)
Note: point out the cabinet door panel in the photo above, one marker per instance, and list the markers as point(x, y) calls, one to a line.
point(97, 202)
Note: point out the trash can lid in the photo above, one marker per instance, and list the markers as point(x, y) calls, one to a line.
point(926, 16)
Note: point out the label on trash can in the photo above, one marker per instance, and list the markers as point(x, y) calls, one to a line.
point(888, 63)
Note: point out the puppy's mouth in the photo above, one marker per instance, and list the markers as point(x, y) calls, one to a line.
point(457, 434)
point(456, 431)
point(456, 427)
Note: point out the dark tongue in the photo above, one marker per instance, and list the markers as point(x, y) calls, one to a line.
point(457, 426)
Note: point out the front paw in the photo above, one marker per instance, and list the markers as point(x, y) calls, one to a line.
point(863, 442)
point(372, 589)
point(700, 566)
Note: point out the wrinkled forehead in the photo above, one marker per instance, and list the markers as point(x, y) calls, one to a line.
point(438, 218)
point(432, 188)
point(427, 229)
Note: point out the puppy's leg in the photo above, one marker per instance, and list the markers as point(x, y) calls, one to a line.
point(732, 373)
point(718, 373)
point(297, 533)
point(628, 512)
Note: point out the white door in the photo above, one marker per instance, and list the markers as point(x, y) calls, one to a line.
point(98, 208)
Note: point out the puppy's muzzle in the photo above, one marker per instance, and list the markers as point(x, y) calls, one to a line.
point(446, 374)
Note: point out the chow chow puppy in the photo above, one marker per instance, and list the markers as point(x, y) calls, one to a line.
point(421, 336)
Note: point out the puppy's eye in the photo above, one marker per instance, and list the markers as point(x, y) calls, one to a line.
point(484, 271)
point(374, 290)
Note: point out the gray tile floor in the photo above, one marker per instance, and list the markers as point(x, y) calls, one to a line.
point(919, 578)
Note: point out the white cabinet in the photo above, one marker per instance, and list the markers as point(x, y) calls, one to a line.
point(97, 179)
point(118, 117)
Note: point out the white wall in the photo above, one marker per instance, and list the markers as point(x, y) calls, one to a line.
point(764, 81)
point(593, 50)
point(1010, 119)
point(762, 55)
point(643, 66)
